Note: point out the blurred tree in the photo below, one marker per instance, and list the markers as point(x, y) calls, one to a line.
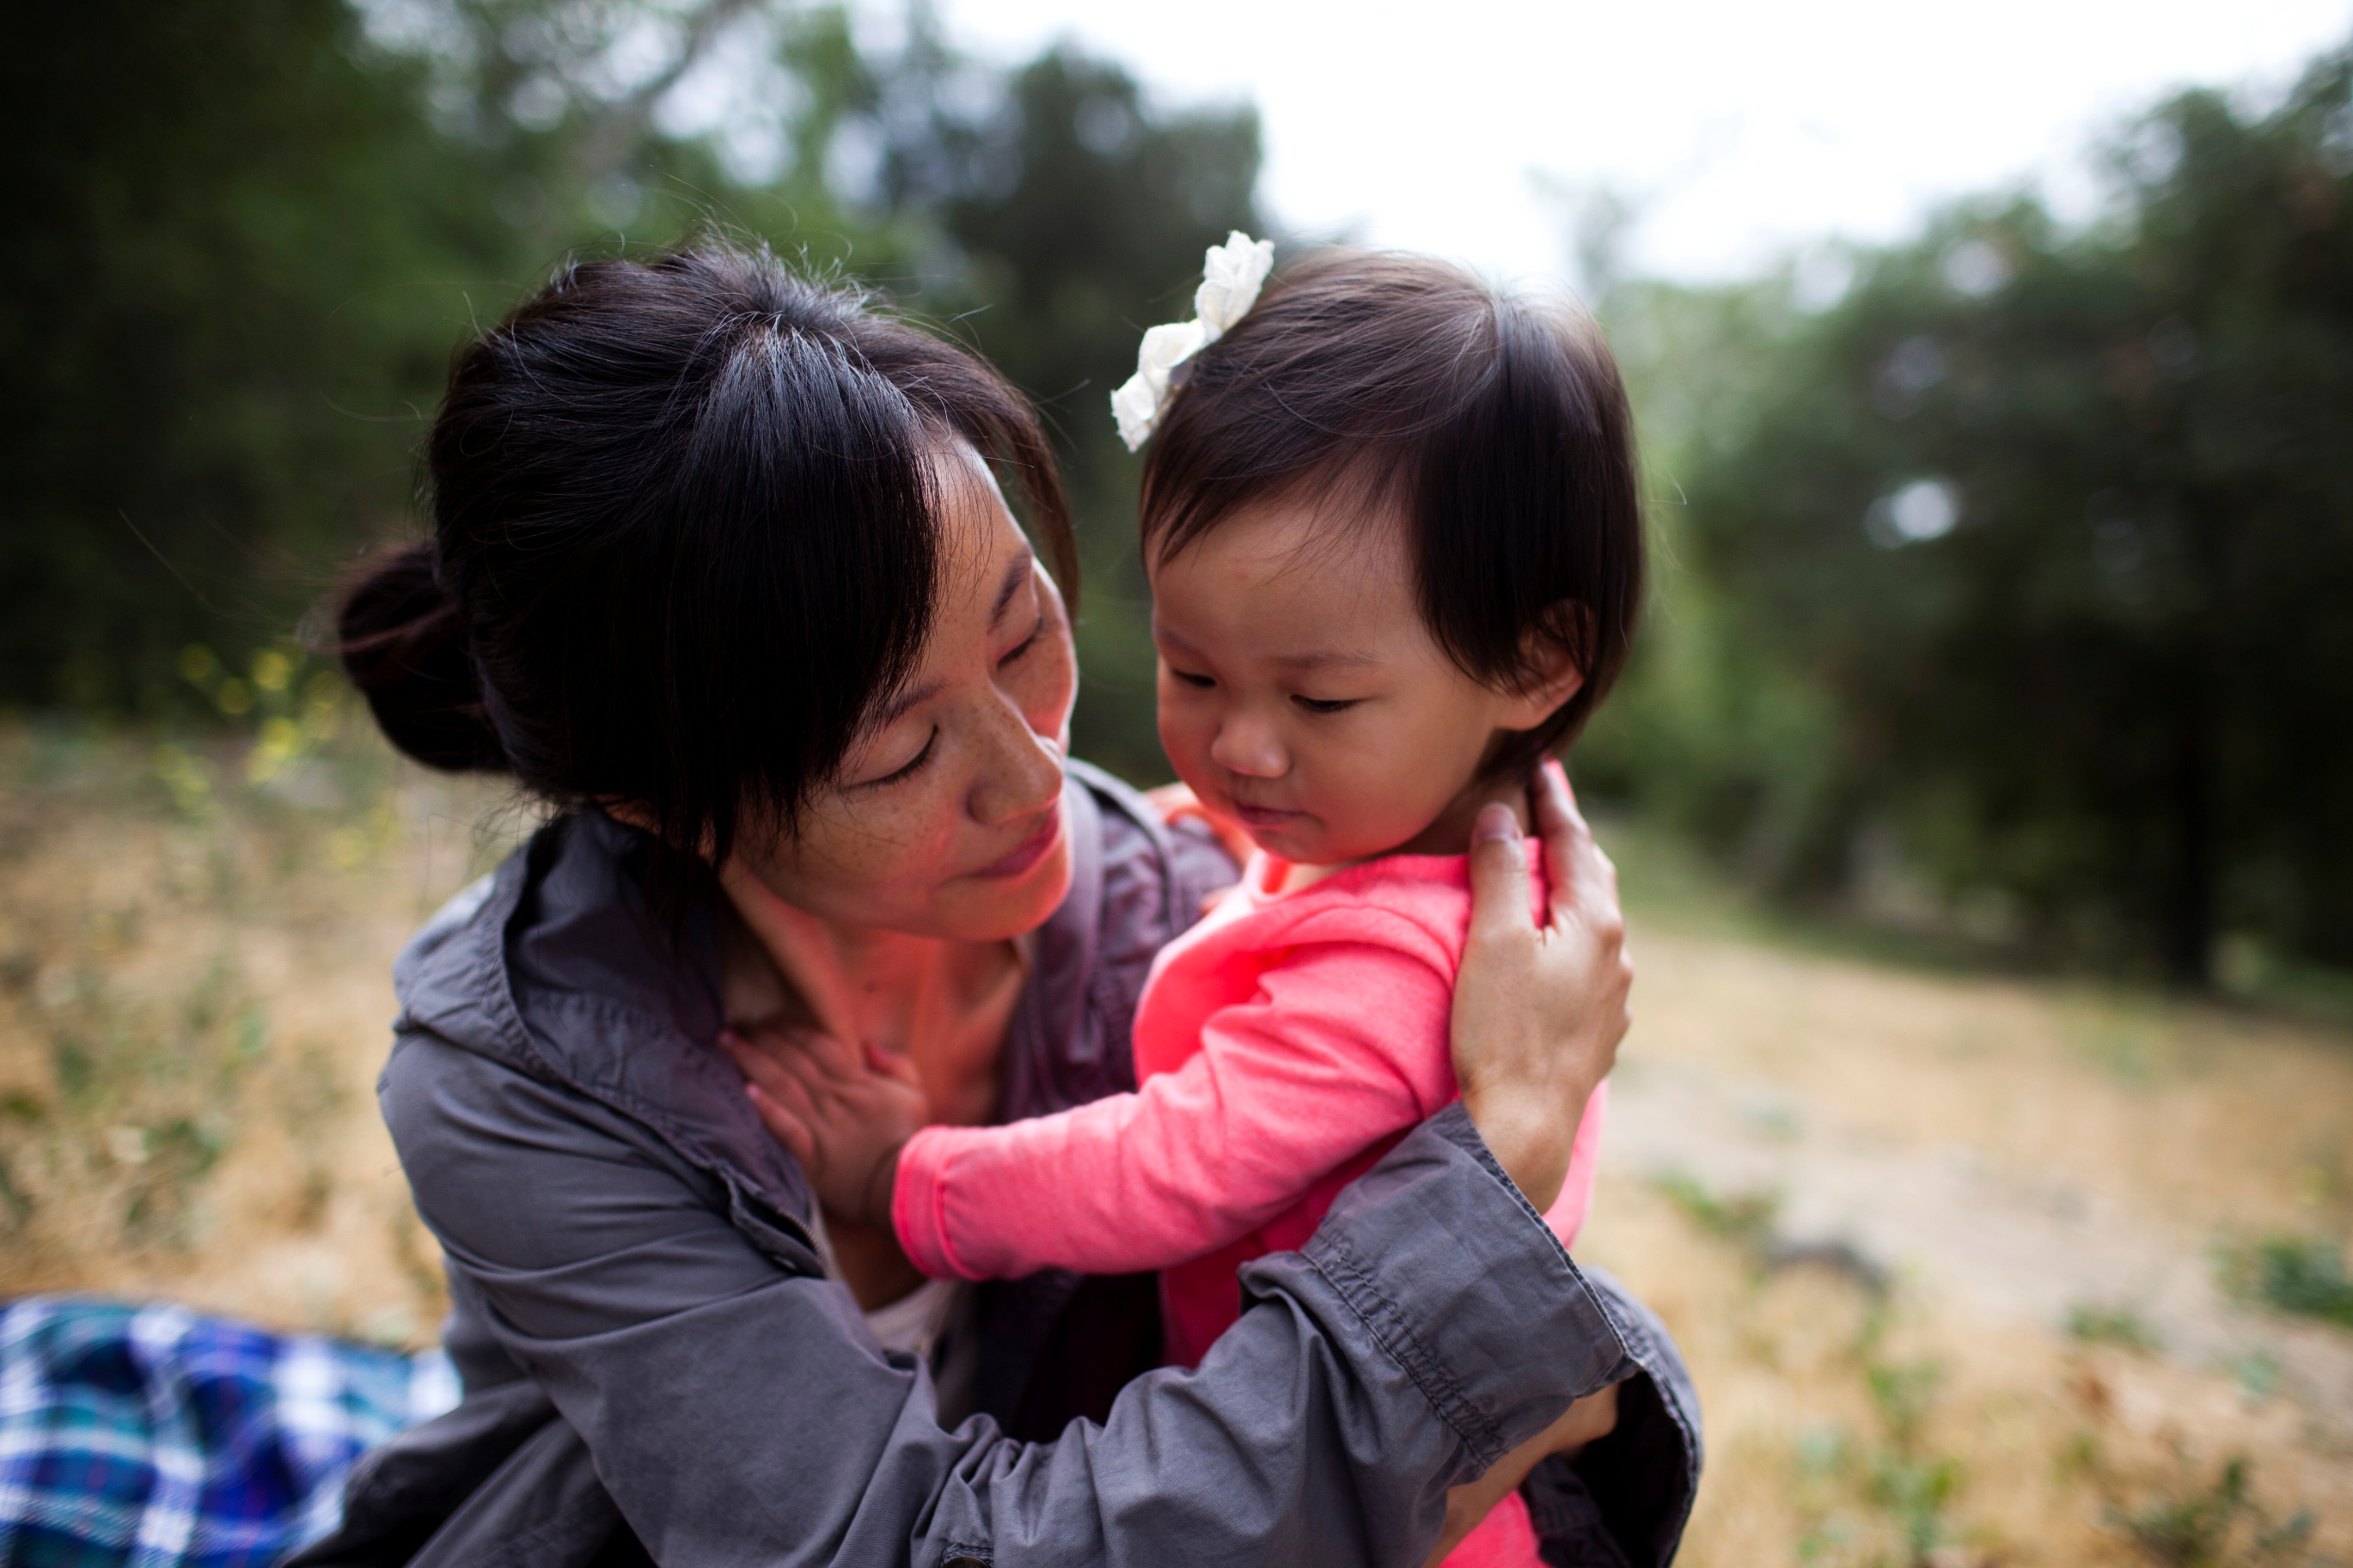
point(220, 206)
point(2060, 527)
point(255, 233)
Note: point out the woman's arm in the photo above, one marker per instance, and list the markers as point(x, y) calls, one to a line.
point(738, 1412)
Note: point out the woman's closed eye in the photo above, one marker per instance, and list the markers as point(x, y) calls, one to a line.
point(1190, 679)
point(1327, 704)
point(908, 769)
point(1013, 655)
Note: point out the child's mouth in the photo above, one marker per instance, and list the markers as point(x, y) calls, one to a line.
point(1264, 815)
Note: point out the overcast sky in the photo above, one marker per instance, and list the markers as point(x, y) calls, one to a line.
point(1741, 129)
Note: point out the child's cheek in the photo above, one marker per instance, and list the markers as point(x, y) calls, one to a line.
point(1185, 736)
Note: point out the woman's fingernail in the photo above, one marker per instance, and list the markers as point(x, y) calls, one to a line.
point(1495, 821)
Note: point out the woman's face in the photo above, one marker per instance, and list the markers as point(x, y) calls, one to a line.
point(946, 817)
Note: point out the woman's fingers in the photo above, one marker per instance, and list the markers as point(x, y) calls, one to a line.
point(1583, 881)
point(1499, 876)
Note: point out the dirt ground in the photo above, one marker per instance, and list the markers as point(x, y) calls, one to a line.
point(1947, 1253)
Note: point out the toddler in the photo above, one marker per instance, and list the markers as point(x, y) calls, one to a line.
point(1390, 521)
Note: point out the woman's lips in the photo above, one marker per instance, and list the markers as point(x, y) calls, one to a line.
point(1030, 850)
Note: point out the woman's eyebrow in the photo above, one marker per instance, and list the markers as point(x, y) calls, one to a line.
point(916, 696)
point(905, 703)
point(1015, 575)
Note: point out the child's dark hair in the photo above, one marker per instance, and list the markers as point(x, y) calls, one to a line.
point(1496, 430)
point(685, 538)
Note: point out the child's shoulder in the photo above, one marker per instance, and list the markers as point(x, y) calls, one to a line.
point(1417, 904)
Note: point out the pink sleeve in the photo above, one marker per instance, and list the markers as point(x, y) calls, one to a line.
point(1335, 1052)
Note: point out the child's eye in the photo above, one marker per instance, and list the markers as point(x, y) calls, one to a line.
point(1328, 705)
point(1203, 681)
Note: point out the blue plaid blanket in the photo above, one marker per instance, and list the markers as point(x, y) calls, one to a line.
point(156, 1438)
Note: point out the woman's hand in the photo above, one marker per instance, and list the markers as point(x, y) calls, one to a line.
point(1539, 1012)
point(845, 1112)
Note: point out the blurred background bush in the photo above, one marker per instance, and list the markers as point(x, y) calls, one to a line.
point(2006, 587)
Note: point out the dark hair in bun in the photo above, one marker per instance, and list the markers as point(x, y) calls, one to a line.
point(685, 538)
point(404, 646)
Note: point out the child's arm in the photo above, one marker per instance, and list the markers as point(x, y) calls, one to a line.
point(1344, 1043)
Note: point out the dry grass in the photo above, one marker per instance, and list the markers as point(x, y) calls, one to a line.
point(194, 990)
point(2041, 1175)
point(194, 999)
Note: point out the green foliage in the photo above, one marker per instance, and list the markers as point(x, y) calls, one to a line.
point(2041, 544)
point(2293, 1274)
point(2118, 1326)
point(1745, 1219)
point(2222, 1524)
point(228, 227)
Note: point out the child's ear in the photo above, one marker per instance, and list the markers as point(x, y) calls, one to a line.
point(1555, 674)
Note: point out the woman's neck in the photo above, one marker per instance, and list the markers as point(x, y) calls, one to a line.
point(947, 1005)
point(944, 1005)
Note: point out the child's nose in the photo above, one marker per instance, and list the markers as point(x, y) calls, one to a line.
point(1249, 747)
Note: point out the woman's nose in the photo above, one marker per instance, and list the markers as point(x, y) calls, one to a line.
point(1249, 747)
point(1023, 772)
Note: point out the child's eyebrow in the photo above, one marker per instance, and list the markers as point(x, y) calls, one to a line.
point(1327, 658)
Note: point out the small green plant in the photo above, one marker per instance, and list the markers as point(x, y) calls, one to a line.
point(1745, 1218)
point(2258, 1373)
point(2292, 1274)
point(2214, 1525)
point(2189, 1533)
point(2118, 1326)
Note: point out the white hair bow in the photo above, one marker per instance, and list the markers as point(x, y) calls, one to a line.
point(1232, 273)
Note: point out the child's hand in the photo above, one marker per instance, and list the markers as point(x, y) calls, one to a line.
point(844, 1112)
point(1591, 1418)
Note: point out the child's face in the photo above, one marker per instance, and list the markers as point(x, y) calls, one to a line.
point(1302, 694)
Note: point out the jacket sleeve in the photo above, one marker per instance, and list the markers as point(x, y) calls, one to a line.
point(737, 1411)
point(1343, 1045)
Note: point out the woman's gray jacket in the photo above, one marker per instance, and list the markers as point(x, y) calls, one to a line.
point(654, 1365)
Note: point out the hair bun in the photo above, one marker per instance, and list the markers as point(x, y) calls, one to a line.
point(402, 640)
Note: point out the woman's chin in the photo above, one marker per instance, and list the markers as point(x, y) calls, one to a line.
point(995, 909)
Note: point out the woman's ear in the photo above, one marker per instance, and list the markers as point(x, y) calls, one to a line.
point(1552, 673)
point(631, 814)
point(636, 813)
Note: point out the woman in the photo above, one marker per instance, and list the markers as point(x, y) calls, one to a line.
point(722, 570)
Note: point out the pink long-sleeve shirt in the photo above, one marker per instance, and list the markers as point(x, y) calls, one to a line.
point(1281, 1046)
